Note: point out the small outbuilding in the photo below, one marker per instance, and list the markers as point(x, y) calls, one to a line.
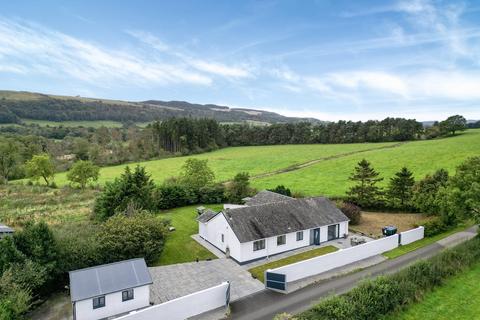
point(110, 290)
point(5, 231)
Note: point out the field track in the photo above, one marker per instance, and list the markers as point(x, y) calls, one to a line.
point(313, 162)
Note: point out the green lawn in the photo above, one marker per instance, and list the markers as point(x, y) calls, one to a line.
point(259, 271)
point(421, 157)
point(423, 242)
point(229, 161)
point(457, 299)
point(180, 247)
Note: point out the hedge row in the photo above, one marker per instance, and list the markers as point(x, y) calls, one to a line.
point(373, 299)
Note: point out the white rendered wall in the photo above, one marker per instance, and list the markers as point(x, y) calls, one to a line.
point(202, 229)
point(113, 305)
point(184, 307)
point(214, 229)
point(412, 235)
point(336, 259)
point(212, 232)
point(271, 247)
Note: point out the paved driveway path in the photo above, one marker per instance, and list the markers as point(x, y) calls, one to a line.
point(173, 281)
point(266, 304)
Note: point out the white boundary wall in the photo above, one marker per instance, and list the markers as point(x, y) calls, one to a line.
point(184, 307)
point(413, 235)
point(314, 266)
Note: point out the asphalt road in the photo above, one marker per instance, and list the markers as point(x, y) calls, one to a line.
point(266, 304)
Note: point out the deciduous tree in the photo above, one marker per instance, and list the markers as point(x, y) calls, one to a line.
point(41, 166)
point(82, 172)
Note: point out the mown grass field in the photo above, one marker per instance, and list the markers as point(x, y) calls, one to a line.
point(421, 157)
point(229, 161)
point(457, 299)
point(327, 176)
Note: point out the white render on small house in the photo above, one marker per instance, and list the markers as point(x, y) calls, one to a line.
point(270, 224)
point(110, 290)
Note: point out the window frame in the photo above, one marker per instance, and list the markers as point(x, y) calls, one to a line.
point(300, 233)
point(98, 299)
point(129, 296)
point(257, 247)
point(284, 237)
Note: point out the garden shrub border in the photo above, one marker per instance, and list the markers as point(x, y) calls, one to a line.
point(373, 299)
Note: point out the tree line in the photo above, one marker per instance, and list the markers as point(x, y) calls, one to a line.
point(183, 136)
point(450, 198)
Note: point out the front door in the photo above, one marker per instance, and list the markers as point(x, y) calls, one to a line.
point(333, 232)
point(316, 236)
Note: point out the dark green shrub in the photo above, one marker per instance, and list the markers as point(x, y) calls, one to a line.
point(435, 227)
point(373, 299)
point(353, 212)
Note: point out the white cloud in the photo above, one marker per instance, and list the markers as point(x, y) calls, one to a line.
point(41, 50)
point(372, 80)
point(211, 67)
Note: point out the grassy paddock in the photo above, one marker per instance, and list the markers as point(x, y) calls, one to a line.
point(456, 299)
point(328, 177)
point(421, 157)
point(229, 161)
point(259, 272)
point(180, 247)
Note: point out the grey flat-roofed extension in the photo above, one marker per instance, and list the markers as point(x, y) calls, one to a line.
point(5, 229)
point(108, 278)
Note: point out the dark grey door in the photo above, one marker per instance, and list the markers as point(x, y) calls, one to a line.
point(333, 231)
point(316, 236)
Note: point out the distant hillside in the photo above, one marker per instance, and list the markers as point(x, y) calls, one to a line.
point(17, 105)
point(431, 123)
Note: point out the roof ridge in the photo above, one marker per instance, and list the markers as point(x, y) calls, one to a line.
point(106, 264)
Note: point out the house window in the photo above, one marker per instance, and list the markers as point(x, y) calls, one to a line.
point(99, 302)
point(127, 295)
point(223, 237)
point(259, 245)
point(281, 240)
point(299, 235)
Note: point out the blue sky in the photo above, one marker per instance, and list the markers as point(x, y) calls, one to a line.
point(332, 60)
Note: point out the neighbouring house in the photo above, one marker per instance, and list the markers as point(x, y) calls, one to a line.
point(5, 231)
point(110, 290)
point(269, 224)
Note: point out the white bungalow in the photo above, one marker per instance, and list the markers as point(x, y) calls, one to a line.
point(270, 224)
point(110, 290)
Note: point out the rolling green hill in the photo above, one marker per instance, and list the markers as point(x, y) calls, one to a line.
point(18, 105)
point(317, 169)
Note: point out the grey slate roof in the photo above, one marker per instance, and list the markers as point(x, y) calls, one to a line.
point(5, 229)
point(264, 197)
point(206, 215)
point(108, 278)
point(273, 219)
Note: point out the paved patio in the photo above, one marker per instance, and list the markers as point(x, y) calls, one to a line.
point(173, 281)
